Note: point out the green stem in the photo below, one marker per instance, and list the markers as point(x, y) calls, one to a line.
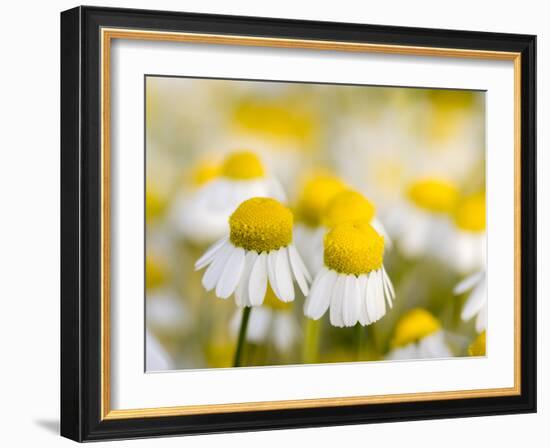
point(359, 340)
point(242, 337)
point(311, 341)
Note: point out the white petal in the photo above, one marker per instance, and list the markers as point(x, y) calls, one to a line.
point(468, 283)
point(433, 346)
point(296, 265)
point(285, 331)
point(370, 297)
point(258, 280)
point(296, 259)
point(276, 190)
point(388, 288)
point(379, 227)
point(215, 270)
point(474, 302)
point(363, 314)
point(210, 253)
point(318, 300)
point(241, 293)
point(388, 283)
point(351, 305)
point(231, 274)
point(283, 276)
point(381, 303)
point(481, 319)
point(271, 271)
point(336, 299)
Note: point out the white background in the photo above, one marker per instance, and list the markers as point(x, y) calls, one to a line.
point(29, 233)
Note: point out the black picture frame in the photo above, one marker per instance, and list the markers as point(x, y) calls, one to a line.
point(81, 227)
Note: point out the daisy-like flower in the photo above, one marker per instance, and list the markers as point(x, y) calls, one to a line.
point(470, 240)
point(309, 230)
point(418, 335)
point(273, 321)
point(352, 282)
point(479, 346)
point(476, 303)
point(423, 221)
point(202, 217)
point(257, 252)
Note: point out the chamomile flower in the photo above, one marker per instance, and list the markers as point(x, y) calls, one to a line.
point(422, 221)
point(418, 335)
point(202, 217)
point(476, 303)
point(352, 281)
point(479, 346)
point(257, 252)
point(309, 230)
point(273, 321)
point(470, 240)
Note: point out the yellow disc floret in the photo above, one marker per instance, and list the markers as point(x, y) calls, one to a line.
point(470, 213)
point(413, 326)
point(316, 194)
point(353, 248)
point(435, 195)
point(261, 224)
point(478, 347)
point(347, 206)
point(155, 272)
point(242, 165)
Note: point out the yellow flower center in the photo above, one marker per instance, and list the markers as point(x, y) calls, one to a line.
point(271, 301)
point(242, 165)
point(353, 248)
point(478, 347)
point(435, 195)
point(204, 172)
point(470, 213)
point(155, 203)
point(261, 224)
point(276, 119)
point(347, 206)
point(413, 326)
point(316, 194)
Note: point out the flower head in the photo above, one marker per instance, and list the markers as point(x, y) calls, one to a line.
point(314, 197)
point(414, 326)
point(417, 335)
point(352, 281)
point(433, 194)
point(257, 253)
point(202, 217)
point(348, 206)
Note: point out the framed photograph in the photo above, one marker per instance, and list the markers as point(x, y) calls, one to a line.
point(276, 224)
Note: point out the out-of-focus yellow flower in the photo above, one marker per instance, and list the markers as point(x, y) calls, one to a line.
point(155, 272)
point(418, 335)
point(277, 119)
point(413, 326)
point(449, 107)
point(470, 213)
point(242, 165)
point(204, 172)
point(314, 197)
point(348, 206)
point(478, 347)
point(433, 194)
point(155, 202)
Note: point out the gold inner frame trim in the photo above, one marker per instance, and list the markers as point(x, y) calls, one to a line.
point(107, 35)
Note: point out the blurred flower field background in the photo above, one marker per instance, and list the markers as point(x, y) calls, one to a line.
point(409, 162)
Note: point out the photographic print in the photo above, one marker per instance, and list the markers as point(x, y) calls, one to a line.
point(297, 223)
